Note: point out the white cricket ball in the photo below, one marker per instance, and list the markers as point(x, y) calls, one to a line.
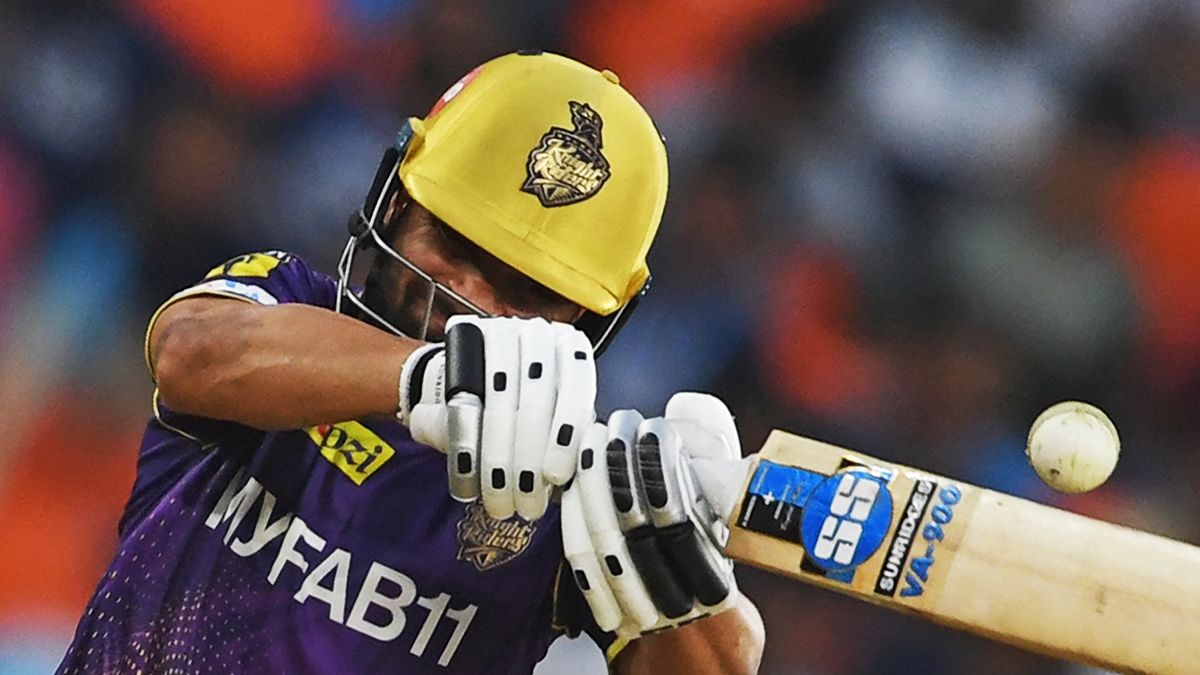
point(1073, 446)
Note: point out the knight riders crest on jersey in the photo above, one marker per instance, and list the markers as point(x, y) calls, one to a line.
point(487, 542)
point(567, 165)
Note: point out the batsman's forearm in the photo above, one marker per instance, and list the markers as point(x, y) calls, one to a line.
point(730, 643)
point(277, 367)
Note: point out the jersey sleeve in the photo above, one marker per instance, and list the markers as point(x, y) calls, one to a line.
point(264, 278)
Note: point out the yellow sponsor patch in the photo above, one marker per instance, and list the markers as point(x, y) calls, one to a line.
point(250, 265)
point(351, 447)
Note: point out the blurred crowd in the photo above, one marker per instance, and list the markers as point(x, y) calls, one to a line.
point(904, 226)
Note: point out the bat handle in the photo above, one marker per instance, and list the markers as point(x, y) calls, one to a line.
point(721, 481)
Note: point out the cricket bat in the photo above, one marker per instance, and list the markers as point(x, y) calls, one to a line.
point(1006, 568)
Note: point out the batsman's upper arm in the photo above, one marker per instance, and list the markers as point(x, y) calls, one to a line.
point(179, 334)
point(268, 278)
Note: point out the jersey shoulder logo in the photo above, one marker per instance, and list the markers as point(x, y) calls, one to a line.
point(487, 542)
point(354, 449)
point(250, 265)
point(567, 165)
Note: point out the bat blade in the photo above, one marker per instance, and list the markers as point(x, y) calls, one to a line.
point(991, 564)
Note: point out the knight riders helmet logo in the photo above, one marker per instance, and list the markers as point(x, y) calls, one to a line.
point(567, 166)
point(487, 542)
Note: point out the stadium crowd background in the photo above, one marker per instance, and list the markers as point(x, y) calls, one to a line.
point(902, 226)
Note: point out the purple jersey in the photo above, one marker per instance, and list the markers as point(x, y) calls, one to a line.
point(330, 549)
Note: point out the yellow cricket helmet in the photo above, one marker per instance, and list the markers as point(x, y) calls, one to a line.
point(552, 167)
point(547, 164)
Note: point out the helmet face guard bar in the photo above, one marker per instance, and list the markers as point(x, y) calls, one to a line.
point(364, 227)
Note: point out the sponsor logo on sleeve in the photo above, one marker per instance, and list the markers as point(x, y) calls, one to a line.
point(251, 265)
point(354, 449)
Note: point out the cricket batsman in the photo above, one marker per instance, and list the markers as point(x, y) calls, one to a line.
point(408, 475)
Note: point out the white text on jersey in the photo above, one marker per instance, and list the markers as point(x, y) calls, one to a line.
point(327, 581)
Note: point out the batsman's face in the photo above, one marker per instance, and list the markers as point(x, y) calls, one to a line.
point(444, 254)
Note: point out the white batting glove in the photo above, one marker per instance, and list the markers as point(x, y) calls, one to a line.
point(644, 546)
point(508, 400)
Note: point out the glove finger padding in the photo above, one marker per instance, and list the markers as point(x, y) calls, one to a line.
point(679, 530)
point(672, 599)
point(585, 566)
point(538, 376)
point(592, 481)
point(503, 381)
point(508, 400)
point(642, 485)
point(707, 431)
point(575, 407)
point(465, 388)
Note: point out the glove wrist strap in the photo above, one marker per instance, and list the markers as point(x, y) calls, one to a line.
point(422, 379)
